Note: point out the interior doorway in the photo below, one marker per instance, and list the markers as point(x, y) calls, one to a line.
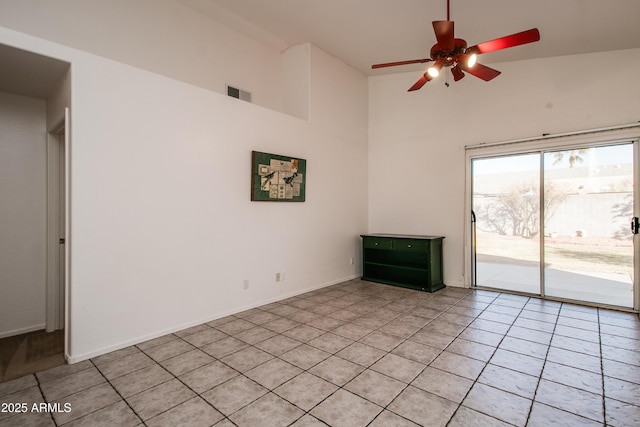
point(41, 343)
point(557, 223)
point(34, 91)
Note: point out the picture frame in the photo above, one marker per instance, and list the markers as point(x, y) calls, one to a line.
point(277, 178)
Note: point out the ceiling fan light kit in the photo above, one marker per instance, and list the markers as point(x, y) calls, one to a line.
point(453, 53)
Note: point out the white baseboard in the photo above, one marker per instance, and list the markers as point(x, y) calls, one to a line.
point(21, 331)
point(457, 285)
point(89, 355)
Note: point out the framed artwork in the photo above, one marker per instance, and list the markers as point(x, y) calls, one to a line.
point(276, 178)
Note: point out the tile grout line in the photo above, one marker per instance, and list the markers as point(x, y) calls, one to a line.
point(308, 412)
point(369, 366)
point(116, 390)
point(535, 393)
point(386, 407)
point(562, 306)
point(44, 399)
point(427, 365)
point(390, 352)
point(486, 363)
point(604, 401)
point(295, 376)
point(242, 374)
point(186, 385)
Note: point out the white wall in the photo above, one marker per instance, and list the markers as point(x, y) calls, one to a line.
point(333, 106)
point(416, 140)
point(162, 231)
point(338, 109)
point(22, 214)
point(58, 99)
point(296, 67)
point(162, 36)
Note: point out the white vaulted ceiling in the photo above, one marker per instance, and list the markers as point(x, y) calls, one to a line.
point(364, 32)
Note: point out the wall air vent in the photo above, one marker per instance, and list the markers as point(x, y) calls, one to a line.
point(238, 93)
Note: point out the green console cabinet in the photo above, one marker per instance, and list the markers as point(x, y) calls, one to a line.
point(402, 260)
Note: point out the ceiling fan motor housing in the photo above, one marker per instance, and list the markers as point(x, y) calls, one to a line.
point(449, 58)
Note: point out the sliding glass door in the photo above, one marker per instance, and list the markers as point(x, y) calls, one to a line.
point(556, 223)
point(506, 195)
point(588, 245)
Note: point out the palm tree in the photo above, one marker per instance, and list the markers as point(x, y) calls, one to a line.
point(573, 155)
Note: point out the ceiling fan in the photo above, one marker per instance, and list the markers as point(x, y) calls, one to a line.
point(452, 52)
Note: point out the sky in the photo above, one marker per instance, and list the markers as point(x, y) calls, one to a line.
point(594, 157)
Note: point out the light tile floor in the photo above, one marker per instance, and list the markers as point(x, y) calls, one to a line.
point(360, 354)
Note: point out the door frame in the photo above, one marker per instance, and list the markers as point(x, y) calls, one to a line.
point(56, 219)
point(597, 137)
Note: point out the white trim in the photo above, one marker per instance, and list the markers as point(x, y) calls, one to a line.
point(541, 211)
point(21, 331)
point(67, 229)
point(636, 212)
point(52, 265)
point(57, 190)
point(547, 137)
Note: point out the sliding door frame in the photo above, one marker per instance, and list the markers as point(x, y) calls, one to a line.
point(586, 139)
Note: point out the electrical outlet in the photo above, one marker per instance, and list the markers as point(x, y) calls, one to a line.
point(277, 277)
point(245, 284)
point(351, 261)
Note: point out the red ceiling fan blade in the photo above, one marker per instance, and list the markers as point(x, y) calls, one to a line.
point(457, 73)
point(524, 37)
point(444, 34)
point(393, 64)
point(482, 72)
point(421, 82)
